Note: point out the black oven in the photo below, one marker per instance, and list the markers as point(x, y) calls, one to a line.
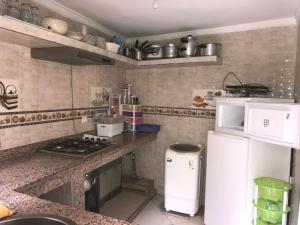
point(102, 184)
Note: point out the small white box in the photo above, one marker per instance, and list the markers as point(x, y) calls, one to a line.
point(109, 130)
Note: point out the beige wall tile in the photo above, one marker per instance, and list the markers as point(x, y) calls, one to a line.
point(256, 56)
point(47, 86)
point(296, 167)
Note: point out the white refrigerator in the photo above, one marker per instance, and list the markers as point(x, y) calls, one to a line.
point(234, 160)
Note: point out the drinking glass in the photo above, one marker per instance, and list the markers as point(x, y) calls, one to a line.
point(25, 13)
point(36, 18)
point(3, 7)
point(13, 11)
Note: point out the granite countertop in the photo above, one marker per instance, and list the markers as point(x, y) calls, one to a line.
point(27, 176)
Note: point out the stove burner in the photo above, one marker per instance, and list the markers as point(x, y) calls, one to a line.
point(82, 146)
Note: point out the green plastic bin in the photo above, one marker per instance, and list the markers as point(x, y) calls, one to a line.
point(271, 188)
point(261, 222)
point(269, 211)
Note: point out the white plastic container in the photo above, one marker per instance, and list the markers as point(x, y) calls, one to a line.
point(109, 130)
point(113, 47)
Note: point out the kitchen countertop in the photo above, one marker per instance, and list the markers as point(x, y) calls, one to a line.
point(27, 176)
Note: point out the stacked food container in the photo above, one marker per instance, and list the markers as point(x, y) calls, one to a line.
point(271, 201)
point(133, 115)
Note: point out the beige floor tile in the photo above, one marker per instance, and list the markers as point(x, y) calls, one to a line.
point(155, 203)
point(151, 217)
point(179, 219)
point(197, 222)
point(123, 205)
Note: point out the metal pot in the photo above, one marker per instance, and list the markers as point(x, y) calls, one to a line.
point(128, 52)
point(188, 46)
point(210, 49)
point(137, 54)
point(154, 53)
point(170, 50)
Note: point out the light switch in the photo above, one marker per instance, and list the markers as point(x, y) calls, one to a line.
point(84, 119)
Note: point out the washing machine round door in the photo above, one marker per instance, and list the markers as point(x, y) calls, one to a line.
point(185, 148)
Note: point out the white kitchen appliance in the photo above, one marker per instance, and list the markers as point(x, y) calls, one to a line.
point(274, 123)
point(233, 162)
point(230, 115)
point(235, 157)
point(109, 130)
point(182, 178)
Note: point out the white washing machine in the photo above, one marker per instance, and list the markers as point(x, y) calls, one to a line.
point(182, 178)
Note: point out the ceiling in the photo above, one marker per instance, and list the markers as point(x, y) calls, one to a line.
point(133, 18)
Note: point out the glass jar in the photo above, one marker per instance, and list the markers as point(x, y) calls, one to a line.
point(13, 11)
point(25, 13)
point(3, 7)
point(36, 18)
point(14, 3)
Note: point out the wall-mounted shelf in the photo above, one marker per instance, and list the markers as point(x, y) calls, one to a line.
point(19, 33)
point(27, 35)
point(203, 60)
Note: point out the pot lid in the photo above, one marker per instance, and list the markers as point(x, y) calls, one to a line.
point(185, 148)
point(170, 44)
point(156, 46)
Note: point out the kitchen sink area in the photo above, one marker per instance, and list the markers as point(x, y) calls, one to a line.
point(38, 219)
point(27, 191)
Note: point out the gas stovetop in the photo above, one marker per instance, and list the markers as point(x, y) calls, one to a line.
point(84, 146)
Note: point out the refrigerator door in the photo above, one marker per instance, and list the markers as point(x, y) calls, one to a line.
point(226, 180)
point(273, 123)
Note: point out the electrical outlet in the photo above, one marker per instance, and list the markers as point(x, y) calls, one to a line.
point(84, 119)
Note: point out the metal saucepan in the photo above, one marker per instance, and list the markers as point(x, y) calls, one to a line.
point(155, 53)
point(209, 49)
point(170, 50)
point(188, 46)
point(137, 54)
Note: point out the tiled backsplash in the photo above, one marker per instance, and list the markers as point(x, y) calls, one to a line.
point(27, 118)
point(255, 56)
point(295, 197)
point(45, 96)
point(183, 112)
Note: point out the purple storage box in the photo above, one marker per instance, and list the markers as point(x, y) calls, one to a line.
point(132, 114)
point(147, 128)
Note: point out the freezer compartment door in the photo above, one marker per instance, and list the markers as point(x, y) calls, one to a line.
point(273, 123)
point(226, 180)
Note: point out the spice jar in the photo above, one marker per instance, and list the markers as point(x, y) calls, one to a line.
point(13, 11)
point(36, 18)
point(25, 13)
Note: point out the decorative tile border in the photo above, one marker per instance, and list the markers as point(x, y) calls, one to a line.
point(184, 112)
point(27, 118)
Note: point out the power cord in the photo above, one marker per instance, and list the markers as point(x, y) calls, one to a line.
point(72, 97)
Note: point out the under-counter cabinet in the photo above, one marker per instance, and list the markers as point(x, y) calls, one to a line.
point(62, 195)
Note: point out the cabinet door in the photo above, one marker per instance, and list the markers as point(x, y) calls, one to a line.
point(273, 123)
